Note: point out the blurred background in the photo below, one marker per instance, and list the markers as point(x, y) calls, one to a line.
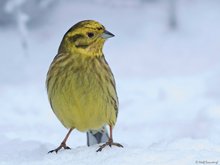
point(165, 58)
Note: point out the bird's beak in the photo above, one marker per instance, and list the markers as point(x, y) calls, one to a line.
point(107, 34)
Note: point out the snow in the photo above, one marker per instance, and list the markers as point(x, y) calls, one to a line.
point(167, 81)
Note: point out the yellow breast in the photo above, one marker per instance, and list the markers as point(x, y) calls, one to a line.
point(83, 97)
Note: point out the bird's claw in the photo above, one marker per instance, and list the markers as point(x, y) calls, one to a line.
point(62, 145)
point(67, 148)
point(109, 143)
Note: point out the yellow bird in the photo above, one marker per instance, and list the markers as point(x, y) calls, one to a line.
point(80, 84)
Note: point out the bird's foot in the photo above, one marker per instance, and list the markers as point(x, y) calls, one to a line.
point(109, 143)
point(62, 145)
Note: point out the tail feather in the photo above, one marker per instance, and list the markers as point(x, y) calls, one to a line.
point(97, 136)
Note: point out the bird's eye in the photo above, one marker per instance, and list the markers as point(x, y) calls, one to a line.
point(90, 35)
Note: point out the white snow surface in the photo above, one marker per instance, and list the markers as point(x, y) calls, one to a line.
point(167, 82)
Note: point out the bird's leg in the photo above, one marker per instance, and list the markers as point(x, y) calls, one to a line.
point(109, 142)
point(63, 144)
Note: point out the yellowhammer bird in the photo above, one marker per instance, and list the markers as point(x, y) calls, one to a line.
point(80, 84)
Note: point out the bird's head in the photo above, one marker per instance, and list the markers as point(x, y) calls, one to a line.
point(86, 38)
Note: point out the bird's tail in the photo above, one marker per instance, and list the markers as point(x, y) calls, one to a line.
point(97, 136)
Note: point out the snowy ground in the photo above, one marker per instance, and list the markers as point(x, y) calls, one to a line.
point(167, 81)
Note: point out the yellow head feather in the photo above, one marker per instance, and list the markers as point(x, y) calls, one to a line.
point(84, 38)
